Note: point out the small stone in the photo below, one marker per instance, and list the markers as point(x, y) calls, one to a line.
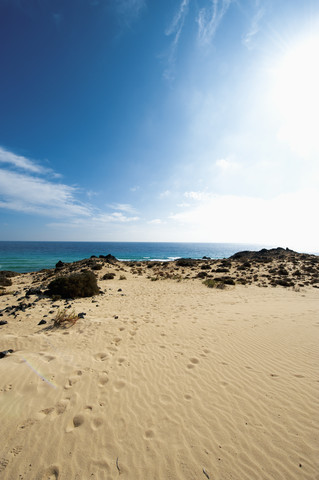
point(81, 315)
point(119, 290)
point(3, 322)
point(116, 317)
point(5, 352)
point(42, 322)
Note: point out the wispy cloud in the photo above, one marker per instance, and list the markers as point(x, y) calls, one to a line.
point(23, 190)
point(98, 221)
point(165, 194)
point(227, 165)
point(254, 28)
point(129, 10)
point(175, 30)
point(23, 163)
point(209, 19)
point(123, 207)
point(29, 194)
point(156, 221)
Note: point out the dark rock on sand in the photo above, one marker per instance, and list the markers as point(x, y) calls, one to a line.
point(42, 322)
point(4, 353)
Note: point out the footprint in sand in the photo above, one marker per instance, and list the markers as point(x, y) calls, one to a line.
point(103, 380)
point(194, 361)
point(101, 357)
point(16, 450)
point(149, 434)
point(28, 423)
point(51, 473)
point(118, 385)
point(77, 421)
point(97, 422)
point(3, 464)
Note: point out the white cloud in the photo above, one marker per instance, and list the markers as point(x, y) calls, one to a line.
point(196, 195)
point(254, 28)
point(24, 193)
point(156, 221)
point(227, 165)
point(124, 207)
point(165, 194)
point(129, 10)
point(100, 221)
point(284, 220)
point(209, 19)
point(23, 163)
point(175, 30)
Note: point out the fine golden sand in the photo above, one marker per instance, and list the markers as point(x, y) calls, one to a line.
point(165, 380)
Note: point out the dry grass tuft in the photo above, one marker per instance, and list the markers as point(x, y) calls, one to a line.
point(64, 318)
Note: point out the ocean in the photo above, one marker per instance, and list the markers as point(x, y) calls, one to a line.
point(35, 256)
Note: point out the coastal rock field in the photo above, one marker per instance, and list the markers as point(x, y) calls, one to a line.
point(181, 370)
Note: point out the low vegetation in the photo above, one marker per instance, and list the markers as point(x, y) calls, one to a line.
point(76, 285)
point(64, 318)
point(211, 283)
point(108, 276)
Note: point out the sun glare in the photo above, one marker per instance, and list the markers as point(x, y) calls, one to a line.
point(295, 96)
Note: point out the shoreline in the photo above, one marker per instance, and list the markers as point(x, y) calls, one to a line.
point(161, 376)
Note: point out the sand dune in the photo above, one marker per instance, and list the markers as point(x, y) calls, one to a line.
point(162, 380)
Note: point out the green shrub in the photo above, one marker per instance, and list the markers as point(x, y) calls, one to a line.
point(5, 281)
point(108, 276)
point(210, 283)
point(74, 286)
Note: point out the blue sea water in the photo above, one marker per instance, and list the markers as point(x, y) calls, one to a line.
point(34, 256)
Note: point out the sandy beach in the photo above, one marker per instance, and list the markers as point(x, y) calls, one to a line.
point(162, 377)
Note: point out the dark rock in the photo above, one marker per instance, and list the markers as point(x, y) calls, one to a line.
point(59, 264)
point(81, 315)
point(42, 322)
point(3, 322)
point(119, 290)
point(33, 291)
point(5, 353)
point(109, 258)
point(206, 258)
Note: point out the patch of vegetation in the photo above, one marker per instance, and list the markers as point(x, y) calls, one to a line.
point(76, 285)
point(5, 281)
point(108, 276)
point(201, 275)
point(211, 283)
point(97, 266)
point(185, 262)
point(64, 318)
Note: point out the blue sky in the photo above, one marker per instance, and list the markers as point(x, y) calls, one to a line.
point(179, 120)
